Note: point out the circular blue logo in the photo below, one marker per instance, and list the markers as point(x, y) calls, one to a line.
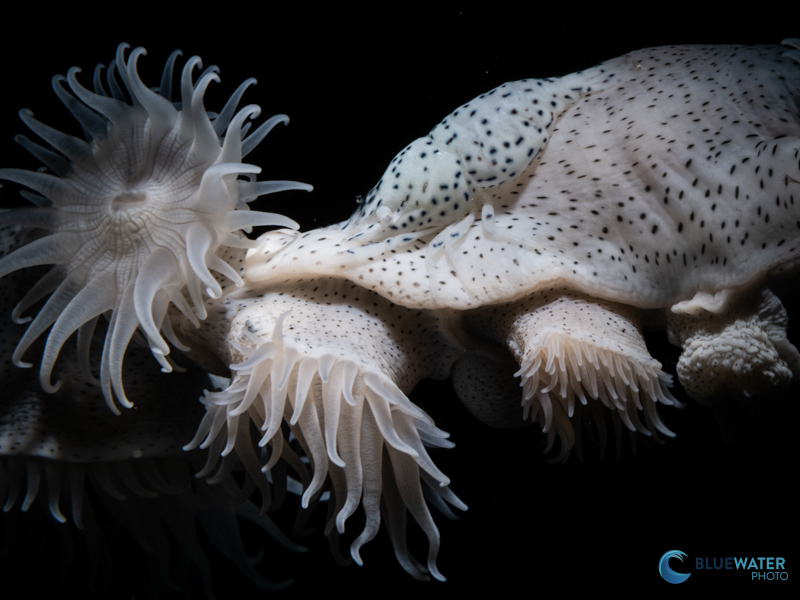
point(666, 572)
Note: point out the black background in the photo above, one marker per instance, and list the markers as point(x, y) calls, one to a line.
point(358, 86)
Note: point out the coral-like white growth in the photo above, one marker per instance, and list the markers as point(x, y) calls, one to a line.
point(737, 345)
point(135, 212)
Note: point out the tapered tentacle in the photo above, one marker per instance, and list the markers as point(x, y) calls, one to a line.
point(572, 351)
point(322, 359)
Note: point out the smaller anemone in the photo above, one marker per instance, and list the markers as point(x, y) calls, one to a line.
point(573, 351)
point(319, 365)
point(135, 212)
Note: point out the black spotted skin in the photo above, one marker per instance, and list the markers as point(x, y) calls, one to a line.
point(683, 177)
point(678, 174)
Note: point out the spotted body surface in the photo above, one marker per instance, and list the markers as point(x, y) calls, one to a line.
point(681, 177)
point(442, 178)
point(669, 187)
point(486, 142)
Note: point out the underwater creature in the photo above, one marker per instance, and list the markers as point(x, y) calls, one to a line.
point(666, 194)
point(521, 248)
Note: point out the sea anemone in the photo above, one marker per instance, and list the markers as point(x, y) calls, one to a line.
point(135, 212)
point(572, 351)
point(329, 364)
point(86, 491)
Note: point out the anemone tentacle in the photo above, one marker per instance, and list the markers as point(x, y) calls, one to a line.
point(576, 351)
point(94, 474)
point(136, 210)
point(331, 364)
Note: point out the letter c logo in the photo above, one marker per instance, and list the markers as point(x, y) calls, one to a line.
point(666, 572)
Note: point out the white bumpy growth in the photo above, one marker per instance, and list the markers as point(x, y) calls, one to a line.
point(733, 344)
point(135, 212)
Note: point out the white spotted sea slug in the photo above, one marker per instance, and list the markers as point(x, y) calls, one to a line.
point(680, 208)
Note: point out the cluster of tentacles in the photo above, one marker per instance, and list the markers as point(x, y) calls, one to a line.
point(135, 219)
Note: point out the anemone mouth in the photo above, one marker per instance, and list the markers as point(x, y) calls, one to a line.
point(126, 201)
point(133, 214)
point(355, 426)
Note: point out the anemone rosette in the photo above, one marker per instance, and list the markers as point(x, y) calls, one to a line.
point(134, 212)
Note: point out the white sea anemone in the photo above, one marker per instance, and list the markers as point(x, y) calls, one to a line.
point(85, 488)
point(330, 363)
point(135, 212)
point(573, 351)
